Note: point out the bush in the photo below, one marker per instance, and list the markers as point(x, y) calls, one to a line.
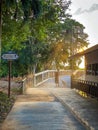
point(5, 105)
point(17, 90)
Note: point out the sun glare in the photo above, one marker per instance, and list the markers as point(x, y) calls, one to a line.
point(82, 65)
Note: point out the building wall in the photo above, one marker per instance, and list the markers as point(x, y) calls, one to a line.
point(91, 63)
point(91, 57)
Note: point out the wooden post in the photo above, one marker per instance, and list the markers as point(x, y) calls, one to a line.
point(57, 77)
point(9, 78)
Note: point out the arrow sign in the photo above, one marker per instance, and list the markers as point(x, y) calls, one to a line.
point(9, 56)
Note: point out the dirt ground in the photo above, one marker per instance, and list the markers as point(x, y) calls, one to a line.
point(14, 85)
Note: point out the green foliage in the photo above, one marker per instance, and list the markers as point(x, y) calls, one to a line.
point(3, 97)
point(36, 27)
point(13, 34)
point(5, 102)
point(5, 105)
point(3, 69)
point(24, 8)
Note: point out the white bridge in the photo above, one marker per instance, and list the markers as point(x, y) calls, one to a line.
point(39, 78)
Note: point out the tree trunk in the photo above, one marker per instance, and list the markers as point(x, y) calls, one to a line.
point(0, 26)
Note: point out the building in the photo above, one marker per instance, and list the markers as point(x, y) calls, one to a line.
point(91, 62)
point(89, 82)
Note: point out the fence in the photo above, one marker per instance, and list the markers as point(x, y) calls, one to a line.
point(90, 88)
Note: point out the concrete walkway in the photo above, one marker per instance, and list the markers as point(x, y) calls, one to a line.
point(47, 108)
point(40, 110)
point(84, 108)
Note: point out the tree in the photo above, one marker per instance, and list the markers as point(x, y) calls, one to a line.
point(76, 38)
point(0, 24)
point(65, 40)
point(15, 11)
point(48, 33)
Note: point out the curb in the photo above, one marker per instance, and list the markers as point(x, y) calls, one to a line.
point(75, 114)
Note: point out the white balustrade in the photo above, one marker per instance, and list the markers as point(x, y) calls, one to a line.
point(39, 78)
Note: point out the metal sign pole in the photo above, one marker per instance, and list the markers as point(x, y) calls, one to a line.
point(9, 78)
point(10, 56)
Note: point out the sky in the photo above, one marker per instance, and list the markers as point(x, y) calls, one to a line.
point(86, 12)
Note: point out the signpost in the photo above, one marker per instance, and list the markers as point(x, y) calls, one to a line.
point(10, 56)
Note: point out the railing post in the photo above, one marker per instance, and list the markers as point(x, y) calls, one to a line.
point(42, 76)
point(34, 80)
point(24, 85)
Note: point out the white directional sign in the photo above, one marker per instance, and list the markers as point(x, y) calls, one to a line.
point(9, 56)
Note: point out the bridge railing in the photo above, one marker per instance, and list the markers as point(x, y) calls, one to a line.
point(36, 79)
point(88, 87)
point(41, 77)
point(27, 82)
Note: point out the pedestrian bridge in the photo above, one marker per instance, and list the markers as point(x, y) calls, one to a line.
point(64, 78)
point(60, 78)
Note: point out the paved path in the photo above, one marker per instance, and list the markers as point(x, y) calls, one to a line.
point(47, 108)
point(84, 108)
point(40, 110)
